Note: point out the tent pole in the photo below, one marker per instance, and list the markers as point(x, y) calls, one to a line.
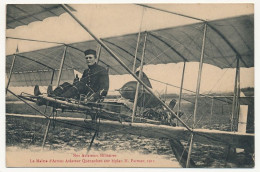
point(61, 65)
point(123, 65)
point(11, 72)
point(136, 49)
point(197, 91)
point(235, 96)
point(140, 77)
point(180, 96)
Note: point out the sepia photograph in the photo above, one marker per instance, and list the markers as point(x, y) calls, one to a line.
point(153, 85)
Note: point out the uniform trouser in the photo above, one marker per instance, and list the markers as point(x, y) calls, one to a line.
point(68, 90)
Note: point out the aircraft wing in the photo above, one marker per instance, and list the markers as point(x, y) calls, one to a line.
point(205, 136)
point(24, 14)
point(234, 38)
point(247, 100)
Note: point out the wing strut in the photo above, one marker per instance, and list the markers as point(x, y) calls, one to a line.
point(197, 93)
point(209, 25)
point(138, 41)
point(61, 65)
point(235, 104)
point(122, 63)
point(99, 48)
point(180, 95)
point(53, 109)
point(140, 77)
point(136, 49)
point(11, 71)
point(211, 111)
point(18, 55)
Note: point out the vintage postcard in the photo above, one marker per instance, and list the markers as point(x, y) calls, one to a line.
point(130, 85)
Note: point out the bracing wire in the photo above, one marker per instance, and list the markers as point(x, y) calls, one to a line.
point(220, 78)
point(138, 40)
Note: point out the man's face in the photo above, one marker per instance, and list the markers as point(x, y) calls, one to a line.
point(90, 59)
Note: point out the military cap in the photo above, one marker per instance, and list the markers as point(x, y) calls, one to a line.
point(90, 51)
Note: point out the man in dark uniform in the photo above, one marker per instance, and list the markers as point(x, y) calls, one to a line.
point(94, 83)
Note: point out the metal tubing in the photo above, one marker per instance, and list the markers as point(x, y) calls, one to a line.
point(10, 74)
point(61, 66)
point(122, 63)
point(180, 96)
point(140, 77)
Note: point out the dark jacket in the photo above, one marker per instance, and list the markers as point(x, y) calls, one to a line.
point(96, 77)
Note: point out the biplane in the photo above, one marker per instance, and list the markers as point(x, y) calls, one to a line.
point(225, 43)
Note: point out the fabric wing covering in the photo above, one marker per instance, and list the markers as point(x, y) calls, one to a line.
point(41, 78)
point(24, 14)
point(226, 40)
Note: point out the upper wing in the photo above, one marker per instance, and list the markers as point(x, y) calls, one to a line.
point(235, 38)
point(24, 14)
